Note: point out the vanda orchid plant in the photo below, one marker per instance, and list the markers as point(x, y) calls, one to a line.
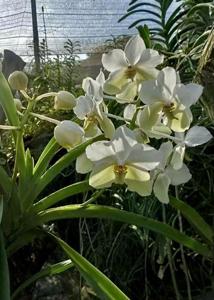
point(155, 106)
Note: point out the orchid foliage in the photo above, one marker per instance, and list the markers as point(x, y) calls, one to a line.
point(155, 105)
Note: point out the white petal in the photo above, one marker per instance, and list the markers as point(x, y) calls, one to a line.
point(150, 59)
point(181, 120)
point(101, 152)
point(138, 180)
point(150, 92)
point(83, 164)
point(92, 88)
point(177, 157)
point(134, 49)
point(197, 135)
point(84, 106)
point(188, 94)
point(161, 188)
point(102, 176)
point(128, 94)
point(159, 131)
point(165, 150)
point(144, 157)
point(100, 78)
point(146, 73)
point(149, 116)
point(122, 143)
point(116, 82)
point(129, 111)
point(91, 129)
point(178, 176)
point(166, 80)
point(114, 60)
point(107, 126)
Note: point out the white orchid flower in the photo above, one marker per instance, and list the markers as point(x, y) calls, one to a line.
point(134, 64)
point(64, 100)
point(94, 88)
point(172, 99)
point(166, 174)
point(92, 112)
point(68, 134)
point(195, 136)
point(122, 161)
point(149, 122)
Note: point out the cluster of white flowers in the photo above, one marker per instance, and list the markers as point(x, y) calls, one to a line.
point(155, 105)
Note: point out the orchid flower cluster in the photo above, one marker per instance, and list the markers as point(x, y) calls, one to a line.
point(155, 105)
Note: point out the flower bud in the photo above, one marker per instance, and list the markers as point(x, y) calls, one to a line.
point(68, 134)
point(18, 104)
point(64, 100)
point(18, 80)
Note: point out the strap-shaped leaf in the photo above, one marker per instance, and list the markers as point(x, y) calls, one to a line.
point(105, 212)
point(47, 271)
point(101, 284)
point(45, 157)
point(5, 181)
point(50, 200)
point(4, 272)
point(1, 207)
point(55, 169)
point(194, 219)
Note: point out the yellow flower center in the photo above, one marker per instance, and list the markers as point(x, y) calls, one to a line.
point(168, 108)
point(130, 73)
point(92, 119)
point(120, 172)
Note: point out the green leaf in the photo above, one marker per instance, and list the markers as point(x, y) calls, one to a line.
point(145, 34)
point(101, 284)
point(50, 200)
point(55, 169)
point(1, 207)
point(45, 157)
point(47, 271)
point(199, 7)
point(205, 230)
point(5, 182)
point(20, 239)
point(105, 212)
point(145, 20)
point(4, 272)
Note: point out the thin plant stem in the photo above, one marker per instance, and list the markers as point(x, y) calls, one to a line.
point(185, 267)
point(170, 259)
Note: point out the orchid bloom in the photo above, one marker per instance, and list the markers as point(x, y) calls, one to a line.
point(166, 174)
point(92, 109)
point(64, 100)
point(93, 87)
point(129, 67)
point(68, 134)
point(149, 122)
point(170, 99)
point(195, 136)
point(122, 161)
